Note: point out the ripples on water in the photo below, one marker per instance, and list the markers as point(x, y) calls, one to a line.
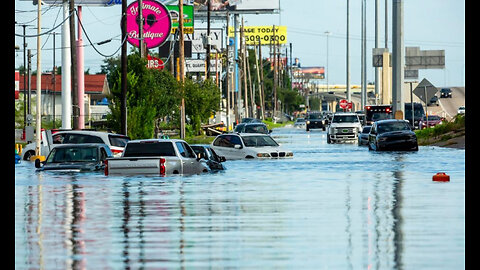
point(333, 206)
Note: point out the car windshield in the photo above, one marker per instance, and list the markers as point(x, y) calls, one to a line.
point(300, 120)
point(345, 119)
point(380, 116)
point(431, 117)
point(258, 141)
point(366, 129)
point(74, 154)
point(392, 126)
point(314, 116)
point(256, 129)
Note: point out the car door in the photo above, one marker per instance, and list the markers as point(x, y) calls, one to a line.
point(188, 158)
point(372, 137)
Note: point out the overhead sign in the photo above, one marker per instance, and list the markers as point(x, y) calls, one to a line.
point(154, 63)
point(198, 65)
point(425, 90)
point(157, 23)
point(188, 18)
point(198, 46)
point(424, 59)
point(309, 73)
point(262, 34)
point(237, 6)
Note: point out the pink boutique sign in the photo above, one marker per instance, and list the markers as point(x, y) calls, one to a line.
point(157, 23)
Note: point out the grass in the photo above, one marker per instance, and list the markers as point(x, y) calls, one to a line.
point(442, 132)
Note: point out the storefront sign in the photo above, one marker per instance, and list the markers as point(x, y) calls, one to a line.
point(187, 18)
point(157, 23)
point(154, 62)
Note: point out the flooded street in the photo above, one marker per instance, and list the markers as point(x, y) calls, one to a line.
point(333, 206)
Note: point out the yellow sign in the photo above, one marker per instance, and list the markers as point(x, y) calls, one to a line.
point(264, 34)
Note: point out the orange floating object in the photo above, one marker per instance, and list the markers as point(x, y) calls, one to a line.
point(441, 177)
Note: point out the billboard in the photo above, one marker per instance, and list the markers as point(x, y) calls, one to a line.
point(157, 23)
point(309, 73)
point(264, 34)
point(237, 6)
point(84, 2)
point(188, 18)
point(216, 36)
point(198, 65)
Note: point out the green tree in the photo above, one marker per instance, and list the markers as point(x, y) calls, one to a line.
point(202, 99)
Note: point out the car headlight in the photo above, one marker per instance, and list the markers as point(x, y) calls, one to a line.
point(263, 155)
point(308, 122)
point(382, 139)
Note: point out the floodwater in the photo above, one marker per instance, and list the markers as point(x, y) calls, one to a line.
point(333, 206)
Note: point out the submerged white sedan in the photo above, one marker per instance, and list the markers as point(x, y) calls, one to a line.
point(248, 145)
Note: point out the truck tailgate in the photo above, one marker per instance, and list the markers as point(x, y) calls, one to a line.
point(143, 165)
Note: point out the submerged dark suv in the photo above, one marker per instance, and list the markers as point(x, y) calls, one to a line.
point(315, 120)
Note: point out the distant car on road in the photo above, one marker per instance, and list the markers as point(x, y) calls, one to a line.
point(250, 120)
point(314, 121)
point(461, 110)
point(252, 128)
point(433, 101)
point(445, 93)
point(75, 158)
point(116, 142)
point(392, 134)
point(363, 136)
point(300, 123)
point(214, 161)
point(248, 146)
point(433, 120)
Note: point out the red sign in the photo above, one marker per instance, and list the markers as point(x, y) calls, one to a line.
point(17, 83)
point(349, 105)
point(154, 62)
point(343, 103)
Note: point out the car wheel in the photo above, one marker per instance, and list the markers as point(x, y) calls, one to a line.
point(28, 155)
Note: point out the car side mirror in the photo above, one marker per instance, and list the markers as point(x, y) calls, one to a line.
point(222, 159)
point(237, 146)
point(38, 163)
point(269, 131)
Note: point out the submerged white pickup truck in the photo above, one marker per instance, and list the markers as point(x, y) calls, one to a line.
point(156, 157)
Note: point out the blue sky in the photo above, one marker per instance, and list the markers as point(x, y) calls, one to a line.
point(428, 24)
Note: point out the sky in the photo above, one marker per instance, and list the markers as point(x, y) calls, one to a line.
point(428, 24)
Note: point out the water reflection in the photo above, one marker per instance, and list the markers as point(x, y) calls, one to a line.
point(332, 206)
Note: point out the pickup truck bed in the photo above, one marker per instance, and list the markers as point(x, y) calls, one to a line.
point(155, 157)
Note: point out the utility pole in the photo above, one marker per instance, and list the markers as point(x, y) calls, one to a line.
point(377, 44)
point(73, 53)
point(244, 68)
point(237, 92)
point(262, 92)
point(141, 44)
point(259, 82)
point(349, 94)
point(66, 71)
point(398, 59)
point(39, 85)
point(80, 74)
point(228, 76)
point(327, 33)
point(207, 64)
point(54, 79)
point(275, 79)
point(364, 58)
point(123, 86)
point(181, 54)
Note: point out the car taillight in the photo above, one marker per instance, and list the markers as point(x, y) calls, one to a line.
point(116, 151)
point(106, 167)
point(162, 166)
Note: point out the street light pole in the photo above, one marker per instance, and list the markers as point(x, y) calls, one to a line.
point(327, 33)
